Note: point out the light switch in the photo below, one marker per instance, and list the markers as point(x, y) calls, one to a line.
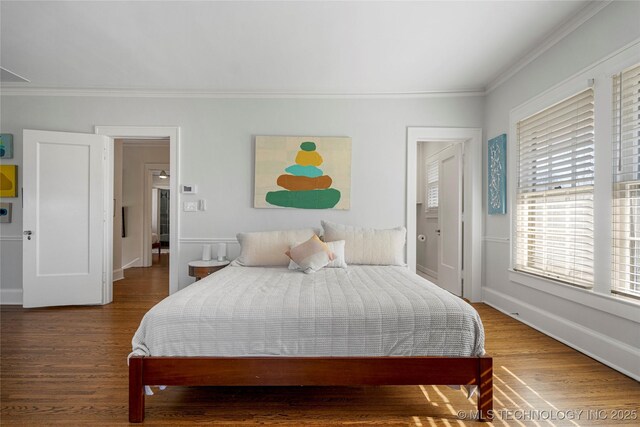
point(190, 206)
point(202, 205)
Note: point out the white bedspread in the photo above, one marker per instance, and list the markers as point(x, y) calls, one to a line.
point(359, 311)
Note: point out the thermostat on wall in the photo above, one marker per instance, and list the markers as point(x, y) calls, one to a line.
point(189, 189)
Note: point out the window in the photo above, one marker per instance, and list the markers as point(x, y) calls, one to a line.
point(626, 183)
point(432, 187)
point(554, 194)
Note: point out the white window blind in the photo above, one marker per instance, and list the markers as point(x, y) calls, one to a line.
point(554, 200)
point(626, 183)
point(432, 186)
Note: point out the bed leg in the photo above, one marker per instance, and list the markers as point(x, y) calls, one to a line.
point(485, 388)
point(136, 390)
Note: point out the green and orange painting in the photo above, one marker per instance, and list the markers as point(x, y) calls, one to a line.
point(303, 172)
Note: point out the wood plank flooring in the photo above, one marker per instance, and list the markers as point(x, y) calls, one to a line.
point(67, 366)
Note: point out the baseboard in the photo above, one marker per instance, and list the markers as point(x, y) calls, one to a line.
point(427, 271)
point(118, 274)
point(135, 263)
point(11, 296)
point(613, 353)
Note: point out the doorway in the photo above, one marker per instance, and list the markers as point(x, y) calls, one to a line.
point(439, 212)
point(472, 206)
point(147, 136)
point(157, 215)
point(139, 169)
point(160, 220)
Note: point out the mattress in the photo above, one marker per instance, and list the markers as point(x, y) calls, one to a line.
point(358, 311)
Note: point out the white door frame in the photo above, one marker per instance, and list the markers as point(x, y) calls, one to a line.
point(143, 132)
point(472, 167)
point(149, 168)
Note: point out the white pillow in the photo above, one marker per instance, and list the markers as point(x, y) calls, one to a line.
point(337, 248)
point(311, 255)
point(369, 245)
point(267, 248)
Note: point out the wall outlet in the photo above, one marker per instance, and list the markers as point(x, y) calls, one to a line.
point(190, 206)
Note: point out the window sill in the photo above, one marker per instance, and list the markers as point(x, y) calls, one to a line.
point(609, 303)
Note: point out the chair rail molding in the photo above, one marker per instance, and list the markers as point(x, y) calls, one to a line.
point(205, 240)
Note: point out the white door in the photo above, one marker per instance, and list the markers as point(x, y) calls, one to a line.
point(450, 219)
point(64, 218)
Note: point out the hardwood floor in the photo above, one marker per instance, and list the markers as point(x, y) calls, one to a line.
point(67, 366)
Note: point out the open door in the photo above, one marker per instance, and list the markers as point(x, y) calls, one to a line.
point(64, 218)
point(450, 219)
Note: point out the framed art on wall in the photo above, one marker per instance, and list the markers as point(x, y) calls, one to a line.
point(302, 172)
point(8, 181)
point(497, 175)
point(5, 212)
point(6, 146)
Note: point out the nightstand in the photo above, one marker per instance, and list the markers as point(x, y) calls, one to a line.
point(200, 269)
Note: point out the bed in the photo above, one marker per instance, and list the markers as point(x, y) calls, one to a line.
point(363, 325)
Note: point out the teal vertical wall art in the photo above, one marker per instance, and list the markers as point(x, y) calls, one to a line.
point(497, 175)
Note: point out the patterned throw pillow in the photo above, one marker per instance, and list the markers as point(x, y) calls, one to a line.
point(311, 255)
point(337, 248)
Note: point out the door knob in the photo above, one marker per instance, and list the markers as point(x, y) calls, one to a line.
point(28, 233)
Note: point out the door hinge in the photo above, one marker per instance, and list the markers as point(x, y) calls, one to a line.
point(104, 153)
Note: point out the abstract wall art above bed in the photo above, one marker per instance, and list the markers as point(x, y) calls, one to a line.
point(303, 172)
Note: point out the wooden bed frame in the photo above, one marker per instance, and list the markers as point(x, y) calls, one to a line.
point(310, 371)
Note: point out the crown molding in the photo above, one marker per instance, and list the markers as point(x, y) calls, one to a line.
point(21, 90)
point(558, 34)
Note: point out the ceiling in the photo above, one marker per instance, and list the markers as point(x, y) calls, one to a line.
point(273, 47)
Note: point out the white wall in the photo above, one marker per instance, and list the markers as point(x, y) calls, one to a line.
point(216, 153)
point(133, 182)
point(154, 210)
point(117, 210)
point(604, 335)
